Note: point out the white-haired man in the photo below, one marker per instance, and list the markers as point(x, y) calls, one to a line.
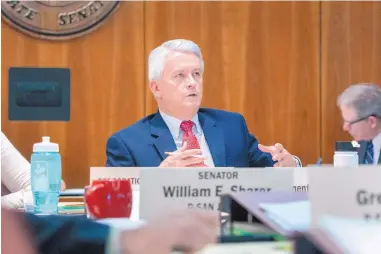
point(181, 133)
point(360, 106)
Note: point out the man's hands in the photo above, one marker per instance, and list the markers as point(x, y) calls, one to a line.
point(183, 157)
point(188, 231)
point(279, 154)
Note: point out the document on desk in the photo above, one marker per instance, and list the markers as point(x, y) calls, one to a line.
point(291, 216)
point(354, 236)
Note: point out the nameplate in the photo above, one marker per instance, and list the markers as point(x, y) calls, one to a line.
point(345, 192)
point(300, 180)
point(132, 173)
point(163, 190)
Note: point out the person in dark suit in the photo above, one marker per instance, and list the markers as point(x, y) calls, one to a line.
point(180, 133)
point(189, 230)
point(360, 106)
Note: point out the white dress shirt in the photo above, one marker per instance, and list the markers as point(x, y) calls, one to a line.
point(177, 134)
point(15, 175)
point(376, 148)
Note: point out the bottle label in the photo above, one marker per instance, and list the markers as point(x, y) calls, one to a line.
point(41, 177)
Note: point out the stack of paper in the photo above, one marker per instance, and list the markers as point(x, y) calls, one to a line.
point(291, 216)
point(355, 236)
point(71, 208)
point(72, 195)
point(73, 192)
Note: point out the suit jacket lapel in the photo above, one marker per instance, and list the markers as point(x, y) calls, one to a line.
point(362, 151)
point(215, 138)
point(163, 141)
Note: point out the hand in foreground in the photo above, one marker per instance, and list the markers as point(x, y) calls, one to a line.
point(183, 157)
point(15, 238)
point(188, 231)
point(279, 154)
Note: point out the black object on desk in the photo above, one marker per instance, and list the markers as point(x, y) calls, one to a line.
point(316, 241)
point(72, 193)
point(245, 238)
point(303, 245)
point(345, 146)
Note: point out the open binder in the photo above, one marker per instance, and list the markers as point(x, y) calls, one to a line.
point(247, 208)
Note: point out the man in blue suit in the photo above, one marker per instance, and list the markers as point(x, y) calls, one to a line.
point(360, 106)
point(182, 134)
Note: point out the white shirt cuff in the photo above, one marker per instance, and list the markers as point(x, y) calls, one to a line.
point(113, 242)
point(298, 161)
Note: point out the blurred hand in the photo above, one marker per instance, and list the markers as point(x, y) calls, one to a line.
point(183, 157)
point(279, 154)
point(188, 231)
point(15, 237)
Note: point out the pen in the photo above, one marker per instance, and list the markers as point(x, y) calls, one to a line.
point(195, 156)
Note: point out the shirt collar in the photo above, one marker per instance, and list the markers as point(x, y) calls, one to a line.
point(377, 141)
point(174, 124)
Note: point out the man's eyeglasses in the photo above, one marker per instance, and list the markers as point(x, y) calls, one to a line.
point(361, 119)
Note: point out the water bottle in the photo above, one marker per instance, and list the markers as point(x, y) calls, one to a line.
point(46, 176)
point(346, 155)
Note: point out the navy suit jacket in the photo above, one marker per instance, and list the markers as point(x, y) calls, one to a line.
point(362, 151)
point(144, 143)
point(67, 234)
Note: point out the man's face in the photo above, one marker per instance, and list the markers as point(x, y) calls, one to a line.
point(180, 88)
point(361, 130)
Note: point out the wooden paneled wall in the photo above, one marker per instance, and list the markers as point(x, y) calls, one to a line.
point(107, 88)
point(280, 64)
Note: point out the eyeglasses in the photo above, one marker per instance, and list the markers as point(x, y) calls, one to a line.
point(361, 119)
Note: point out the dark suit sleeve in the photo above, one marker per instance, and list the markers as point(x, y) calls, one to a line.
point(67, 234)
point(118, 154)
point(257, 158)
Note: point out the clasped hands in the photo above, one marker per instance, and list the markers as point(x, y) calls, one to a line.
point(184, 158)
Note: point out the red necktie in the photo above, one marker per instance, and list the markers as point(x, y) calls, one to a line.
point(190, 138)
